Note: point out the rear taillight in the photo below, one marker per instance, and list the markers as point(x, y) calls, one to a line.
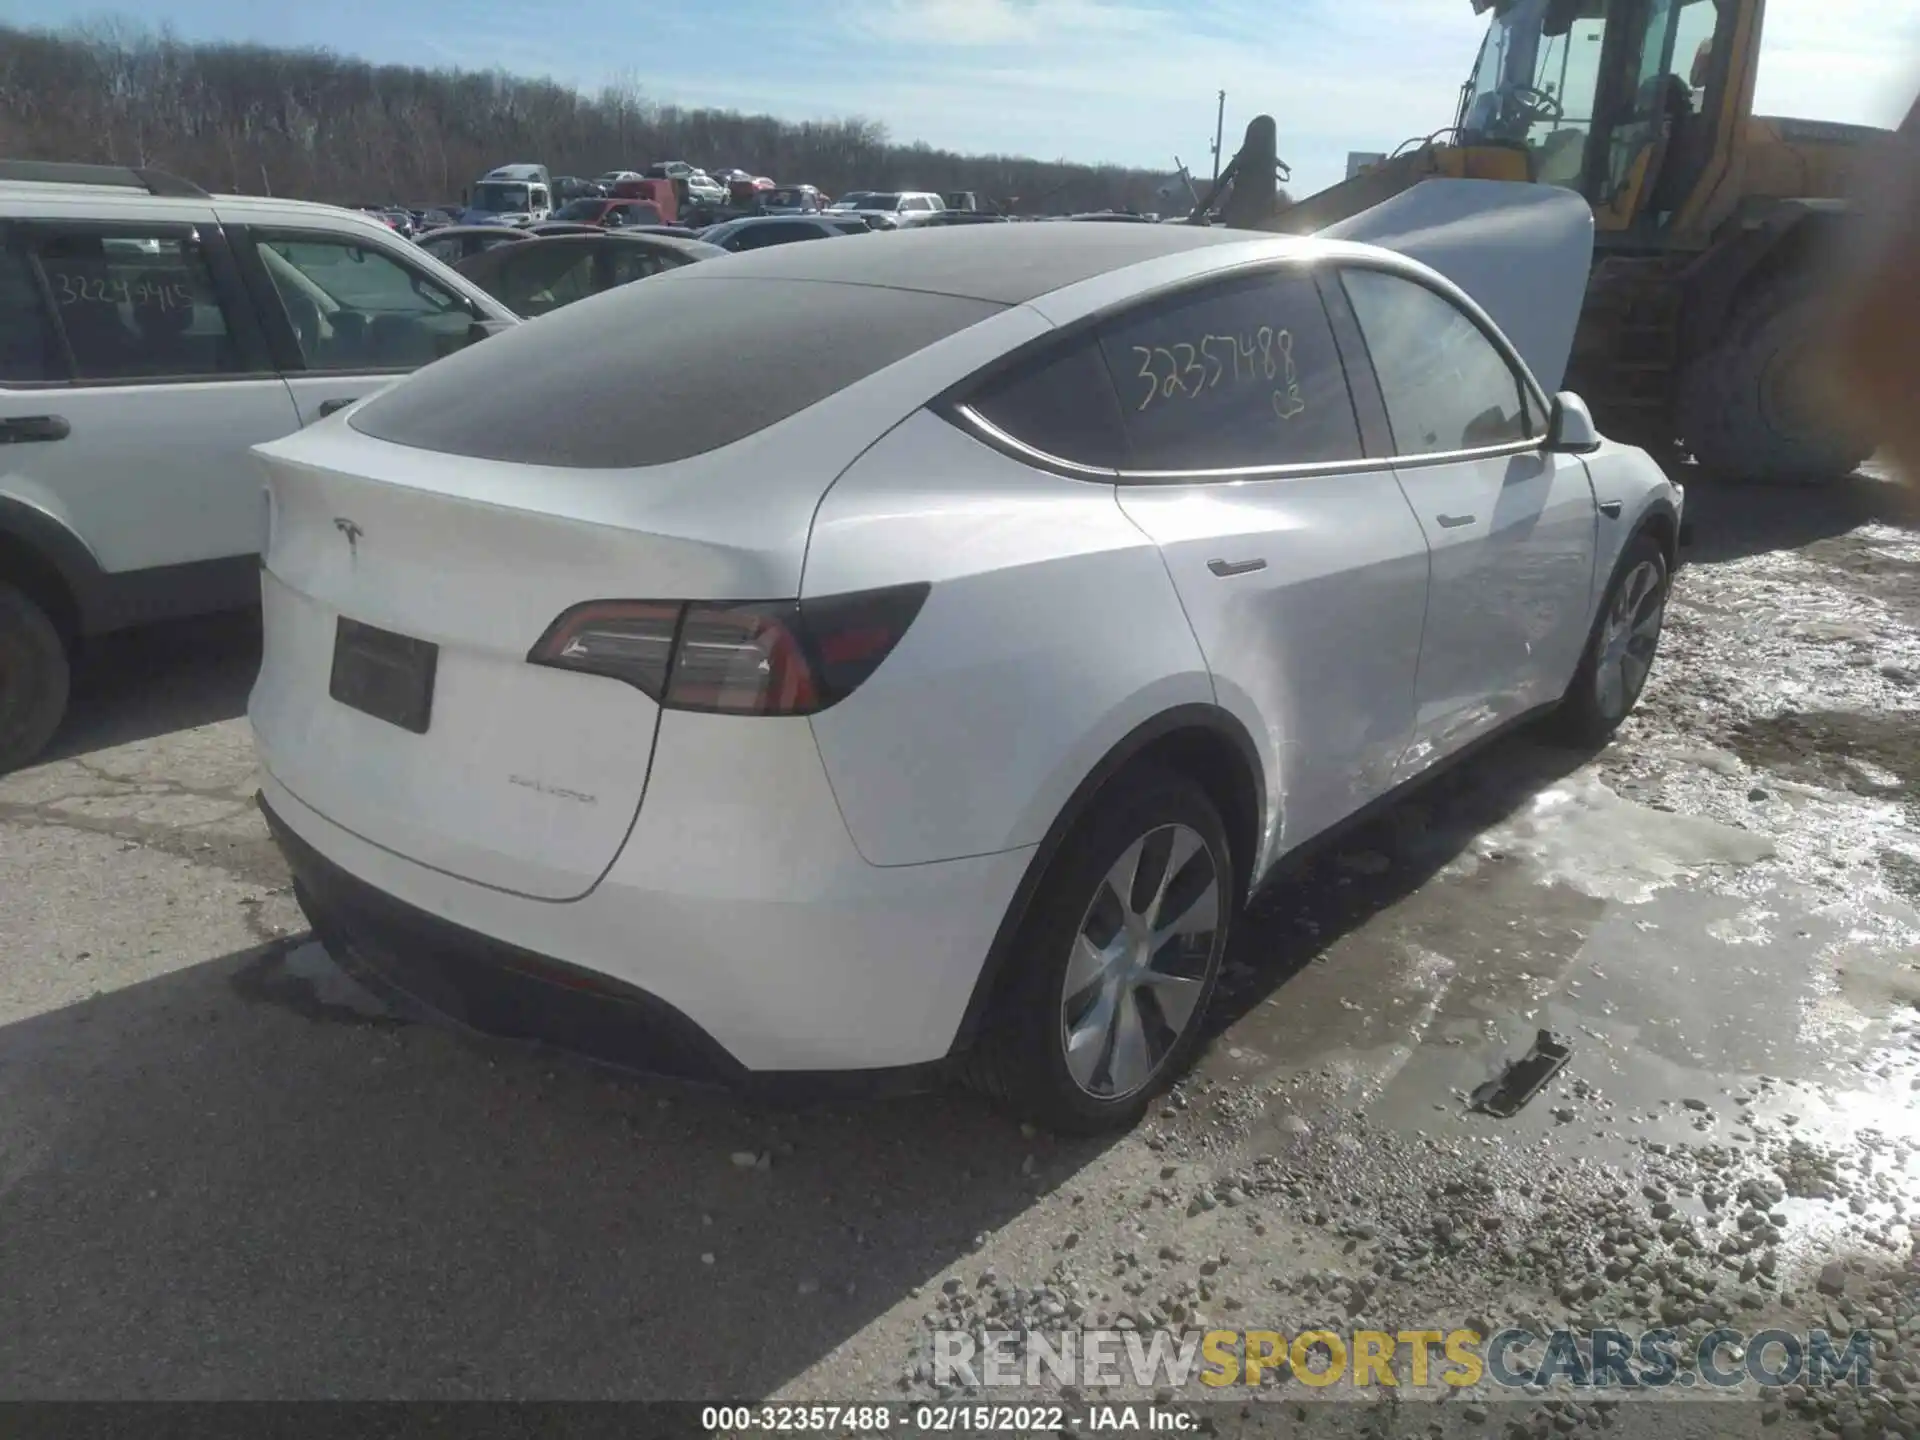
point(775, 657)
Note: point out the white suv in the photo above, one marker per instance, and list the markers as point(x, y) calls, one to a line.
point(149, 334)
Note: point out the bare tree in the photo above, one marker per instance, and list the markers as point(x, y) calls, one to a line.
point(323, 126)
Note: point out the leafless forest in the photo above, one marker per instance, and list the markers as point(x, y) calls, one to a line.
point(322, 126)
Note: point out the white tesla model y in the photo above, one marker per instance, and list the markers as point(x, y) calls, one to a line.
point(848, 658)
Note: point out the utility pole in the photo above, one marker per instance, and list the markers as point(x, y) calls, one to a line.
point(1219, 134)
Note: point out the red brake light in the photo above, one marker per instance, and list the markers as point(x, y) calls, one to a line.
point(779, 657)
point(743, 660)
point(630, 640)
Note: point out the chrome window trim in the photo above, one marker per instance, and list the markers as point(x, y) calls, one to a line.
point(1000, 438)
point(1387, 263)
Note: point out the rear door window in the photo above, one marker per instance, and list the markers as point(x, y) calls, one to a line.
point(354, 306)
point(1238, 374)
point(29, 348)
point(1446, 386)
point(137, 305)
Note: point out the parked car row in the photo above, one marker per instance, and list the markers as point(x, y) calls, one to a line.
point(676, 194)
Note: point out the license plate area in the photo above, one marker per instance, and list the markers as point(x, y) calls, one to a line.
point(385, 675)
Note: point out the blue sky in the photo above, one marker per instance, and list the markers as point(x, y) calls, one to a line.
point(1131, 81)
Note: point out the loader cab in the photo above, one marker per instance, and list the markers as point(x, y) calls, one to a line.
point(1632, 103)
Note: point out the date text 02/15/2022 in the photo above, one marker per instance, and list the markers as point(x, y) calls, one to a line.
point(854, 1422)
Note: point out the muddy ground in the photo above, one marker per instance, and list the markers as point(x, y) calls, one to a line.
point(225, 1171)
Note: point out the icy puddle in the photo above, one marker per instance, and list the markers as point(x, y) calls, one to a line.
point(1674, 953)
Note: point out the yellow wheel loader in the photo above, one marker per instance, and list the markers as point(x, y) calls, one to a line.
point(1703, 314)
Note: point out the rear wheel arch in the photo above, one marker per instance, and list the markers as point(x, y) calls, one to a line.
point(1203, 743)
point(50, 565)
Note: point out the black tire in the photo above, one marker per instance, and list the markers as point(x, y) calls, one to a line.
point(1585, 715)
point(1020, 1060)
point(1738, 412)
point(34, 678)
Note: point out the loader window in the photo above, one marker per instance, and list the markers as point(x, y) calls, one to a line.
point(1693, 47)
point(1535, 85)
point(1664, 125)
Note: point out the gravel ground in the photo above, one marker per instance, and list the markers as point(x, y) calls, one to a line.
point(226, 1171)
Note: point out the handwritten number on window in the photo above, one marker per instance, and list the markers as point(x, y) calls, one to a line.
point(1191, 368)
point(1287, 403)
point(99, 290)
point(1219, 366)
point(1192, 363)
point(1146, 374)
point(1171, 385)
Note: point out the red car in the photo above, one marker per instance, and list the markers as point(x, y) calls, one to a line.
point(663, 194)
point(749, 192)
point(610, 214)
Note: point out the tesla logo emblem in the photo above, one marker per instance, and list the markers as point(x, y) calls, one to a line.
point(353, 533)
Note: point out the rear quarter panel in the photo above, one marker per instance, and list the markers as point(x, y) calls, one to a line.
point(1052, 630)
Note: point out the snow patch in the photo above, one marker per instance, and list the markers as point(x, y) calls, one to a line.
point(1579, 833)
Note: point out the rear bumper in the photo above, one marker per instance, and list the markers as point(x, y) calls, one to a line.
point(729, 942)
point(488, 985)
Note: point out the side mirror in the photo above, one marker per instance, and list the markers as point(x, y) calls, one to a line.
point(481, 329)
point(1570, 427)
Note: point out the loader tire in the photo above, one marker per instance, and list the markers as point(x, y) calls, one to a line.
point(1744, 412)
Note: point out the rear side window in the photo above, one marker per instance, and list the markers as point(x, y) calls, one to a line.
point(534, 279)
point(1445, 384)
point(657, 372)
point(1061, 403)
point(627, 262)
point(28, 347)
point(759, 237)
point(1236, 375)
point(137, 306)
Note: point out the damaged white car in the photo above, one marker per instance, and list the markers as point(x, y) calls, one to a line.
point(914, 659)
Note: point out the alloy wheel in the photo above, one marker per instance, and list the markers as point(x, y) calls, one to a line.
point(1140, 962)
point(1631, 636)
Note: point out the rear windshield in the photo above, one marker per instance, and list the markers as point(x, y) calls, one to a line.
point(580, 210)
point(656, 372)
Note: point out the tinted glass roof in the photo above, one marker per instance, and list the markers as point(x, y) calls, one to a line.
point(1005, 264)
point(660, 369)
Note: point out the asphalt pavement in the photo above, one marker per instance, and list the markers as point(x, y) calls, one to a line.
point(226, 1171)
